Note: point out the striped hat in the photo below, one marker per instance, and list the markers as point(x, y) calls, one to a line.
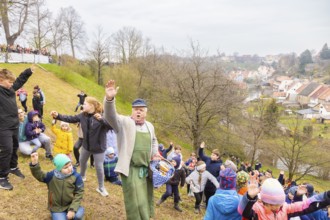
point(272, 192)
point(227, 179)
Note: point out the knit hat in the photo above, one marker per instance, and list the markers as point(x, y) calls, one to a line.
point(227, 179)
point(109, 150)
point(161, 146)
point(242, 178)
point(60, 160)
point(310, 190)
point(177, 159)
point(272, 192)
point(230, 164)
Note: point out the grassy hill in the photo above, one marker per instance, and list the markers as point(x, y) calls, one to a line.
point(28, 200)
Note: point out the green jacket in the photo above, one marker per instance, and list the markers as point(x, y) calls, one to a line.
point(63, 194)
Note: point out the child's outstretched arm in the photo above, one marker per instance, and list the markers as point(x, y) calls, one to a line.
point(36, 169)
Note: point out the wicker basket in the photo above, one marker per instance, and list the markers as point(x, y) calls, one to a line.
point(162, 171)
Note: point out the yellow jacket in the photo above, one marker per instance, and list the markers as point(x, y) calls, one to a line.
point(64, 141)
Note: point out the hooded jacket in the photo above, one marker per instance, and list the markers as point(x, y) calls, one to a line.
point(64, 141)
point(223, 205)
point(94, 131)
point(8, 106)
point(31, 126)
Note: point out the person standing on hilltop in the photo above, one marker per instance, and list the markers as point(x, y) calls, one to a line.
point(81, 97)
point(137, 146)
point(9, 84)
point(42, 100)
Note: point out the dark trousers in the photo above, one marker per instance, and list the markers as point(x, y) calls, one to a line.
point(24, 105)
point(208, 193)
point(76, 152)
point(8, 151)
point(198, 198)
point(169, 190)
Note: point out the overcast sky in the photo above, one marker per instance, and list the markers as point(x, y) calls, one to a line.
point(245, 26)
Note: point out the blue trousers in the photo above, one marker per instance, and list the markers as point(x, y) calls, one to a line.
point(62, 215)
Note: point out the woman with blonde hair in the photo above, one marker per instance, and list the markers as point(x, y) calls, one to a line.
point(94, 129)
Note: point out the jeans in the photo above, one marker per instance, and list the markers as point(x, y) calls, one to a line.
point(62, 215)
point(8, 151)
point(169, 190)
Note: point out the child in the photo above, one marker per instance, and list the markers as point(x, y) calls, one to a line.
point(64, 140)
point(65, 187)
point(213, 164)
point(272, 203)
point(175, 153)
point(9, 124)
point(22, 96)
point(110, 162)
point(197, 180)
point(94, 129)
point(34, 129)
point(172, 186)
point(164, 151)
point(242, 180)
point(190, 165)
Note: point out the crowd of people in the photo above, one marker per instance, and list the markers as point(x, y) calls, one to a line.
point(27, 50)
point(121, 148)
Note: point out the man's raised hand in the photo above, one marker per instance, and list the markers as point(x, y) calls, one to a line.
point(110, 90)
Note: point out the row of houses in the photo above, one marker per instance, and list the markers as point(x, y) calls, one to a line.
point(312, 98)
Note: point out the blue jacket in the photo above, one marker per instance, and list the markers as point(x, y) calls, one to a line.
point(223, 205)
point(32, 125)
point(109, 167)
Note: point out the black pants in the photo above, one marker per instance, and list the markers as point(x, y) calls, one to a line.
point(169, 190)
point(208, 193)
point(24, 105)
point(8, 151)
point(198, 198)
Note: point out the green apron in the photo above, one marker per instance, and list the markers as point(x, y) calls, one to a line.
point(137, 188)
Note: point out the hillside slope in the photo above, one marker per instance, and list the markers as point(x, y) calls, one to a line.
point(28, 200)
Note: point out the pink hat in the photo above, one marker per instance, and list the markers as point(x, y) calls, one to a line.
point(272, 192)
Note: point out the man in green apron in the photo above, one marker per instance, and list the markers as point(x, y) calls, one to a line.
point(137, 146)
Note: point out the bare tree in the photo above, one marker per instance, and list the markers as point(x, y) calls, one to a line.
point(298, 151)
point(127, 44)
point(40, 28)
point(56, 32)
point(14, 15)
point(99, 52)
point(74, 28)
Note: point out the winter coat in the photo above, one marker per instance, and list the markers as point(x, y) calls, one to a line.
point(250, 208)
point(94, 131)
point(32, 125)
point(179, 176)
point(63, 194)
point(64, 141)
point(223, 205)
point(8, 106)
point(21, 130)
point(109, 167)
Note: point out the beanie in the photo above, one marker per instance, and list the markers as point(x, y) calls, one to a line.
point(242, 178)
point(161, 146)
point(227, 179)
point(60, 160)
point(230, 164)
point(272, 192)
point(109, 150)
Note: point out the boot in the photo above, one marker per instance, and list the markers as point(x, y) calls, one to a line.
point(176, 206)
point(160, 201)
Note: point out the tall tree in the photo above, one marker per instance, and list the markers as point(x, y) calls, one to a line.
point(298, 150)
point(74, 28)
point(127, 44)
point(325, 52)
point(14, 15)
point(99, 52)
point(57, 33)
point(304, 59)
point(271, 117)
point(40, 28)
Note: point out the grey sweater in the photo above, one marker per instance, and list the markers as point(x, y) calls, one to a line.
point(193, 178)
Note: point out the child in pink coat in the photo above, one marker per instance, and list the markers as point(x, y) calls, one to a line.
point(272, 206)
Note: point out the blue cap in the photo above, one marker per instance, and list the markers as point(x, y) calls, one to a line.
point(139, 103)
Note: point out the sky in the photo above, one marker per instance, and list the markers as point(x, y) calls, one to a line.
point(261, 27)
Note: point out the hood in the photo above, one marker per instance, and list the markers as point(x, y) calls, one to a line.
point(226, 201)
point(31, 114)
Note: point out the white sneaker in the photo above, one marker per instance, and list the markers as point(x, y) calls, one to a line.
point(102, 191)
point(84, 178)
